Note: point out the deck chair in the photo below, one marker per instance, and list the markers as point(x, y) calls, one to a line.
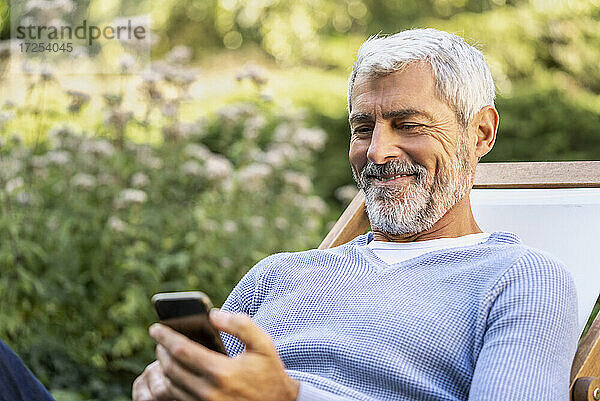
point(553, 206)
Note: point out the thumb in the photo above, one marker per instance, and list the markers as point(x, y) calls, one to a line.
point(243, 327)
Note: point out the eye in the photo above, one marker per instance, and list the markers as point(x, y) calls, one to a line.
point(362, 130)
point(408, 127)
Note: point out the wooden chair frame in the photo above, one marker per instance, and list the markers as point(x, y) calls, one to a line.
point(585, 371)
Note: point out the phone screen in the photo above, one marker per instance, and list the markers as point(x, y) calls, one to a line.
point(187, 313)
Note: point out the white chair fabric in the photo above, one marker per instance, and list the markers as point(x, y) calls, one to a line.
point(564, 222)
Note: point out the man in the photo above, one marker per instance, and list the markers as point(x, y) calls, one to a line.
point(424, 307)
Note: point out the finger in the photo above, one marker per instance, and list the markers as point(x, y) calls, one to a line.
point(243, 327)
point(140, 390)
point(181, 379)
point(182, 395)
point(162, 389)
point(158, 384)
point(189, 353)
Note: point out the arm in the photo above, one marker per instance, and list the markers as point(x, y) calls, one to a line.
point(187, 371)
point(254, 364)
point(207, 375)
point(240, 300)
point(531, 334)
point(243, 299)
point(153, 384)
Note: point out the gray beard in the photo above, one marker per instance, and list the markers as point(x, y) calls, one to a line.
point(417, 206)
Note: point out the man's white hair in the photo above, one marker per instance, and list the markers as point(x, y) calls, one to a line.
point(462, 77)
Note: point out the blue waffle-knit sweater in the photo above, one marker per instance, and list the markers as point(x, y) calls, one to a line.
point(492, 321)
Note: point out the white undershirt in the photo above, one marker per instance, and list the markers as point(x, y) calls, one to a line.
point(396, 252)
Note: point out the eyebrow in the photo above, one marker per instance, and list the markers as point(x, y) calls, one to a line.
point(406, 113)
point(394, 114)
point(361, 118)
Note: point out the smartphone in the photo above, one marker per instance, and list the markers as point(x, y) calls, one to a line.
point(187, 313)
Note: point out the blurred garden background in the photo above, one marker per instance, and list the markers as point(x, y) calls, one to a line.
point(234, 146)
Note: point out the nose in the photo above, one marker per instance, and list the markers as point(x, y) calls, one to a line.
point(384, 145)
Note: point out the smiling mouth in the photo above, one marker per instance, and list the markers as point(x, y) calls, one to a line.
point(390, 178)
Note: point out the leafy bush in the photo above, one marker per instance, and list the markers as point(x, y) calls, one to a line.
point(92, 226)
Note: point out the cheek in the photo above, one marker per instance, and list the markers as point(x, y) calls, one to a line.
point(358, 154)
point(444, 143)
point(430, 153)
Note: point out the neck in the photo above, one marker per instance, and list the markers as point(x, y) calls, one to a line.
point(458, 221)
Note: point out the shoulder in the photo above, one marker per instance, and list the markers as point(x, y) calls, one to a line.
point(286, 266)
point(312, 257)
point(280, 269)
point(536, 280)
point(536, 294)
point(518, 259)
point(545, 277)
point(526, 274)
point(538, 267)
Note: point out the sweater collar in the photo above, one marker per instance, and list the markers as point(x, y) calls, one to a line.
point(501, 237)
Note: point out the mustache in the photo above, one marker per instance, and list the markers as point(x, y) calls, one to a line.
point(372, 170)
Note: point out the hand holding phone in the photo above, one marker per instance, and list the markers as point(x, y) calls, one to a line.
point(187, 313)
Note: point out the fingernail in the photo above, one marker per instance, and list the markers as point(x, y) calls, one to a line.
point(154, 330)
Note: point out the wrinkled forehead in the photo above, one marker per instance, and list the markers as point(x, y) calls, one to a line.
point(419, 85)
point(411, 88)
point(375, 71)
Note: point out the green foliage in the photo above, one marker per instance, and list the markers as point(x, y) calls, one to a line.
point(92, 226)
point(293, 32)
point(559, 129)
point(4, 19)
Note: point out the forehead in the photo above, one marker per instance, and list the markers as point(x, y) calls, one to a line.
point(411, 88)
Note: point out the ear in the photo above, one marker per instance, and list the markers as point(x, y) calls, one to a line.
point(485, 125)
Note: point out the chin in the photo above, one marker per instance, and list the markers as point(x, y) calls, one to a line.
point(400, 215)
